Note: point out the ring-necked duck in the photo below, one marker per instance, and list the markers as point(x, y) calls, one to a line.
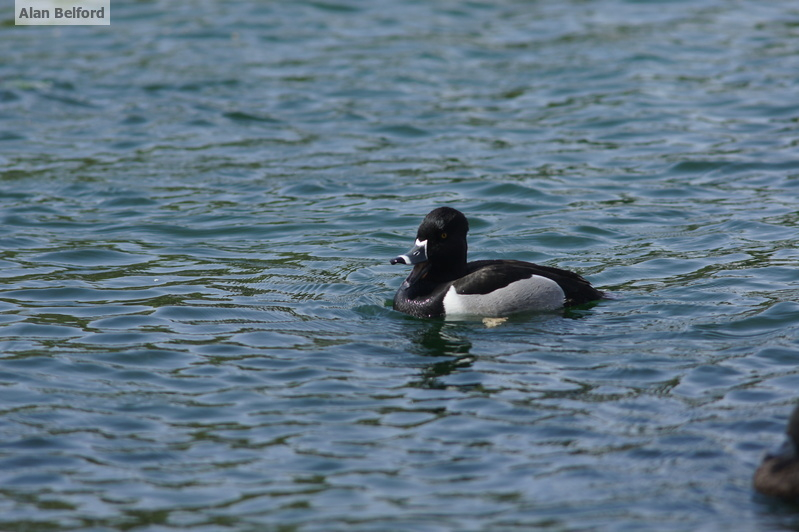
point(778, 474)
point(442, 283)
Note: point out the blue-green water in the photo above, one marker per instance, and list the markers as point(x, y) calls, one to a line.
point(198, 207)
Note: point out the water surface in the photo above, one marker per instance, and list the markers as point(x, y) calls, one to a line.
point(198, 207)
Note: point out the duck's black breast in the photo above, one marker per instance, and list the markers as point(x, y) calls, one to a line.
point(422, 299)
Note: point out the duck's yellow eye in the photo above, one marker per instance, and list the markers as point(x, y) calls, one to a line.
point(443, 236)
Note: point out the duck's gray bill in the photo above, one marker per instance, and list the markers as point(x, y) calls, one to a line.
point(417, 254)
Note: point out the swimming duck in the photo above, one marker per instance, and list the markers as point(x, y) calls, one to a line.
point(443, 283)
point(778, 474)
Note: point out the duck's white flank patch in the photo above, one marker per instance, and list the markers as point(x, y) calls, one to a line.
point(535, 293)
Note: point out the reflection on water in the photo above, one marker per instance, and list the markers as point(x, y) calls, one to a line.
point(438, 339)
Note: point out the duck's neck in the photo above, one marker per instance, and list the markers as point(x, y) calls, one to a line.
point(449, 268)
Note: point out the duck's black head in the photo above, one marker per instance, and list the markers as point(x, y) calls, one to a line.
point(444, 229)
point(439, 253)
point(789, 451)
point(793, 427)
